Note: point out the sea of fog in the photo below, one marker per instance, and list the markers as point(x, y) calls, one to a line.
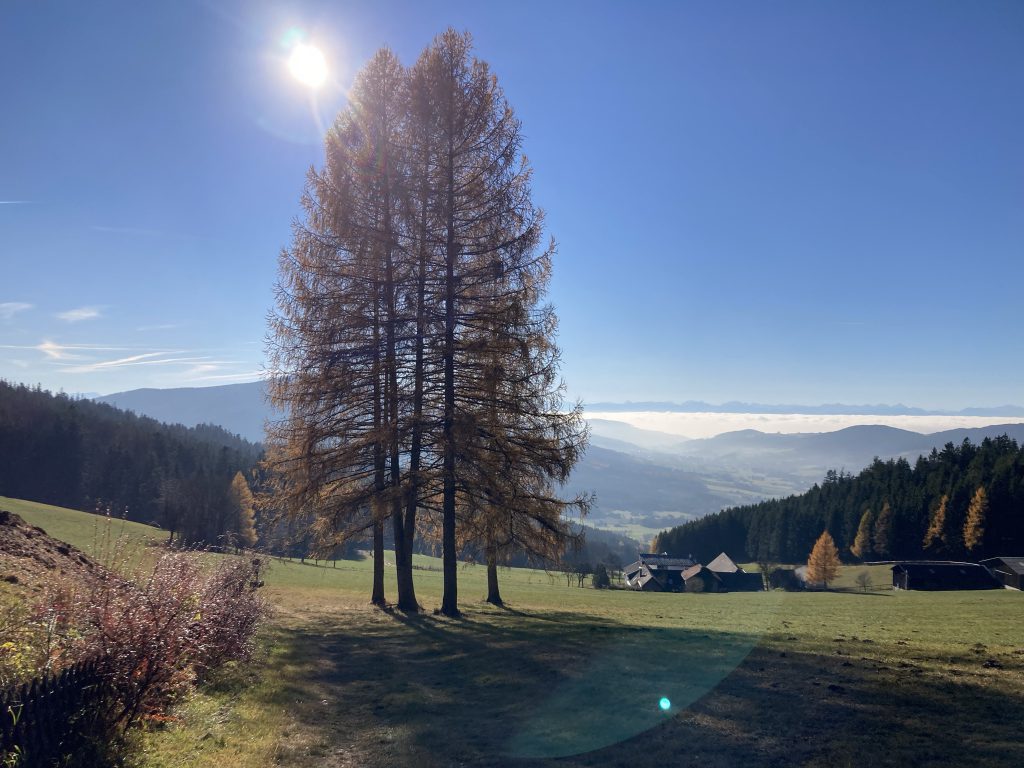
point(697, 425)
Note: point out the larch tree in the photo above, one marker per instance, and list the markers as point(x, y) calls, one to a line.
point(974, 525)
point(333, 338)
point(410, 351)
point(936, 538)
point(492, 273)
point(823, 562)
point(861, 547)
point(521, 442)
point(244, 511)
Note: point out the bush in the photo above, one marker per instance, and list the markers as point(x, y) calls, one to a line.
point(601, 579)
point(154, 634)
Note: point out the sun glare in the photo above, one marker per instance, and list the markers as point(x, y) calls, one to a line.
point(307, 65)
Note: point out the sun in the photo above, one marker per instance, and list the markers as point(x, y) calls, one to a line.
point(307, 65)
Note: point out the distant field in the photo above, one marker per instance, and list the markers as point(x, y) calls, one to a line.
point(573, 677)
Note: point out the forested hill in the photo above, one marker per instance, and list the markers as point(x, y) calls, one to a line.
point(888, 511)
point(81, 454)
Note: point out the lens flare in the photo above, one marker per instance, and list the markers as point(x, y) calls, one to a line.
point(665, 704)
point(307, 65)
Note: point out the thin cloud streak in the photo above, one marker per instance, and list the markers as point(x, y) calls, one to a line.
point(79, 314)
point(56, 351)
point(121, 363)
point(152, 358)
point(9, 309)
point(251, 376)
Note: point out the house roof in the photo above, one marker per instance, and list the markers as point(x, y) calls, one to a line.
point(1015, 564)
point(664, 561)
point(723, 564)
point(911, 565)
point(692, 571)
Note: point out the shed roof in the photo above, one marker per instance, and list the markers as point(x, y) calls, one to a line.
point(1015, 564)
point(723, 564)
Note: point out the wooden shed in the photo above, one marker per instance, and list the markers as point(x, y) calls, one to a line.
point(937, 575)
point(1009, 570)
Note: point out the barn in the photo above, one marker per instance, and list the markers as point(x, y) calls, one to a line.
point(1009, 570)
point(657, 573)
point(734, 578)
point(698, 578)
point(936, 575)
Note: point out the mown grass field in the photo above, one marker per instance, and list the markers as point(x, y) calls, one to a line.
point(573, 677)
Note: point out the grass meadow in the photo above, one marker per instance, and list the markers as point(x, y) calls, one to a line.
point(576, 677)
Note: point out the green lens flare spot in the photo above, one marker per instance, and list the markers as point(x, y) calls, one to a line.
point(665, 704)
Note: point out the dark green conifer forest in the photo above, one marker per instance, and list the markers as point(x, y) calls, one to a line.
point(898, 502)
point(77, 453)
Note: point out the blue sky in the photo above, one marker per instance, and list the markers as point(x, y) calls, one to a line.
point(785, 202)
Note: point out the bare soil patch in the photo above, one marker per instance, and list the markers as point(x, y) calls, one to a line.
point(28, 555)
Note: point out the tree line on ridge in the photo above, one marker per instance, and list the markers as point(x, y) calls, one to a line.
point(962, 502)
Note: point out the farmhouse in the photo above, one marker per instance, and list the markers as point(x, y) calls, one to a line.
point(942, 575)
point(661, 573)
point(1009, 570)
point(657, 573)
point(733, 578)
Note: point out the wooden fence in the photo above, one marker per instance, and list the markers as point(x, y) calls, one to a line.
point(55, 716)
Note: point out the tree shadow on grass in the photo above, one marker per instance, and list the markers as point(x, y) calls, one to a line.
point(496, 686)
point(504, 687)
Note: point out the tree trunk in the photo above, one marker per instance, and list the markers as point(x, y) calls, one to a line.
point(378, 564)
point(416, 447)
point(449, 599)
point(493, 595)
point(377, 597)
point(403, 555)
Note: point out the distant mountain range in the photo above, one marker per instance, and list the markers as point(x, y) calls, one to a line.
point(239, 408)
point(827, 409)
point(645, 480)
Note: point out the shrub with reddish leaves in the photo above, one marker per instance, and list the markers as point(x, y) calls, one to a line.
point(154, 633)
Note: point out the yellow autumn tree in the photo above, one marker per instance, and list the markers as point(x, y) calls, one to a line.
point(243, 507)
point(862, 541)
point(974, 525)
point(823, 563)
point(935, 538)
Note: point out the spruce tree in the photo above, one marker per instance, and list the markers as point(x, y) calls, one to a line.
point(883, 537)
